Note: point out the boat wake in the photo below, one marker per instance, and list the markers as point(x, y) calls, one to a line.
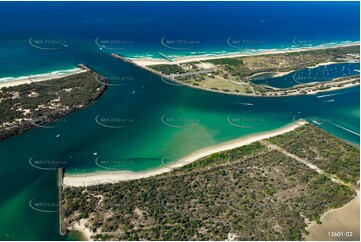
point(333, 94)
point(341, 127)
point(245, 104)
point(328, 101)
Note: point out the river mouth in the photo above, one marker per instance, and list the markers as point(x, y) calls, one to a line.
point(141, 119)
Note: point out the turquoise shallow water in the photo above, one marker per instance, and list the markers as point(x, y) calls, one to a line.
point(141, 120)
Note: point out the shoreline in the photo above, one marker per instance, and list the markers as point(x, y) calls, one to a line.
point(102, 177)
point(178, 60)
point(16, 81)
point(336, 217)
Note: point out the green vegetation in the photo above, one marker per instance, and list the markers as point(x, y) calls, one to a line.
point(167, 69)
point(249, 193)
point(336, 53)
point(285, 62)
point(232, 66)
point(328, 152)
point(227, 61)
point(23, 106)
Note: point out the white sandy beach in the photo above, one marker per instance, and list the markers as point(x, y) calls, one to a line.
point(273, 74)
point(117, 176)
point(80, 226)
point(15, 81)
point(178, 60)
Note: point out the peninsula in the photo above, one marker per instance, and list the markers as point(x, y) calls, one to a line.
point(233, 73)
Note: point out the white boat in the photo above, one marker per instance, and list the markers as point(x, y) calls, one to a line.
point(316, 122)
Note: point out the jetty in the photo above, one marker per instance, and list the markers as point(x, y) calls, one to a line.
point(135, 64)
point(121, 58)
point(166, 57)
point(84, 67)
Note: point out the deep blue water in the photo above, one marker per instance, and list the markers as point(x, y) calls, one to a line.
point(139, 28)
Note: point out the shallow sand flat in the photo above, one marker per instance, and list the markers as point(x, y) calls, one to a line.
point(117, 176)
point(344, 219)
point(9, 81)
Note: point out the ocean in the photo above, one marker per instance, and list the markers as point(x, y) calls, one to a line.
point(143, 29)
point(144, 120)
